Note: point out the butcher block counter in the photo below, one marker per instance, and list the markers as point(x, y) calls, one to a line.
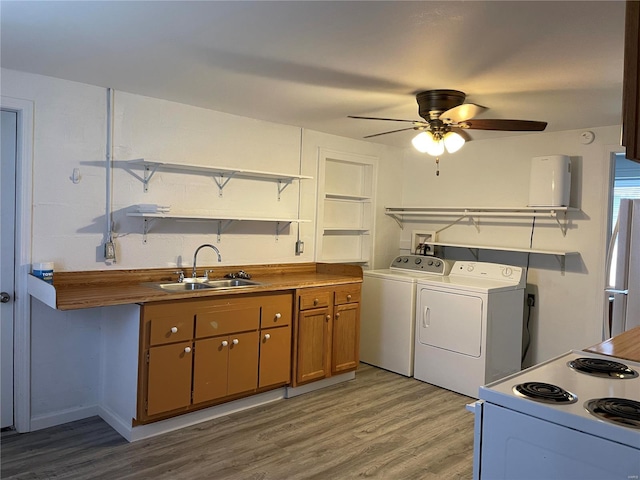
point(78, 290)
point(625, 346)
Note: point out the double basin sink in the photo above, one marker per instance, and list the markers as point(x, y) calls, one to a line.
point(188, 286)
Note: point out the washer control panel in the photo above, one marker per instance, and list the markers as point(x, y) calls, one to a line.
point(422, 263)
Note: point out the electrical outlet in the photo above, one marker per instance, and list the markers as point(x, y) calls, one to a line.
point(109, 251)
point(299, 247)
point(531, 300)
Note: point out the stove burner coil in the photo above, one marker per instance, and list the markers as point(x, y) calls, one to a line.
point(620, 411)
point(602, 368)
point(544, 392)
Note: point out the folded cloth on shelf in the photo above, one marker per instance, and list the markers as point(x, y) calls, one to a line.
point(152, 208)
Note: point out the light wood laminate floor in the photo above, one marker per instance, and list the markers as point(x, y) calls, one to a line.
point(380, 425)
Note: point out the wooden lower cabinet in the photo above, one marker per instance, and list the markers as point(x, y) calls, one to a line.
point(169, 382)
point(225, 366)
point(200, 352)
point(275, 356)
point(327, 332)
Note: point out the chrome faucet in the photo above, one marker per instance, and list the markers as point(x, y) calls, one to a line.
point(195, 255)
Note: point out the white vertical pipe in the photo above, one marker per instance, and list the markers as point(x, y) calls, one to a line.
point(109, 158)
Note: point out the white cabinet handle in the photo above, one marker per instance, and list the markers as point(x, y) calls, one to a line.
point(337, 315)
point(348, 297)
point(267, 336)
point(187, 349)
point(328, 317)
point(224, 343)
point(235, 341)
point(174, 329)
point(278, 315)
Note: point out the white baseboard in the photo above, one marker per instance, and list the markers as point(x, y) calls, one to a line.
point(64, 416)
point(133, 434)
point(325, 382)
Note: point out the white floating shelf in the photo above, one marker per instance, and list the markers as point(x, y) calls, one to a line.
point(506, 249)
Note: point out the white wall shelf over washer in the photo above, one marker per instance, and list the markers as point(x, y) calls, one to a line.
point(223, 220)
point(221, 175)
point(402, 214)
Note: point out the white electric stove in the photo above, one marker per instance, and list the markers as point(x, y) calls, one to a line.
point(576, 416)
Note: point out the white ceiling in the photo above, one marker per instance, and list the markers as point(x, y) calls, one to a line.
point(310, 64)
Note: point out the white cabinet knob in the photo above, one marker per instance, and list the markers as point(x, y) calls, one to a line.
point(236, 341)
point(174, 329)
point(316, 301)
point(224, 343)
point(267, 336)
point(187, 349)
point(328, 317)
point(348, 297)
point(278, 315)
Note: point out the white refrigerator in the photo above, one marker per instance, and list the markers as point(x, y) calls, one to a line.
point(623, 259)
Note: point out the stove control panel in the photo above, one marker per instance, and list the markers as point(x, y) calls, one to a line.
point(422, 263)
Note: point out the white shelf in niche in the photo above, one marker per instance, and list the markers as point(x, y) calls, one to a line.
point(337, 230)
point(348, 197)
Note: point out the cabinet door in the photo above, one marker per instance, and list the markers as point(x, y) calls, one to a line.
point(169, 380)
point(243, 363)
point(275, 356)
point(314, 333)
point(210, 367)
point(345, 338)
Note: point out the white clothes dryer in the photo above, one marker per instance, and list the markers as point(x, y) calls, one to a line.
point(387, 315)
point(469, 326)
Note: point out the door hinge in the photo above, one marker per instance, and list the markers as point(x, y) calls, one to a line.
point(147, 357)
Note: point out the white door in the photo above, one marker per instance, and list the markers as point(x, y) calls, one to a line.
point(450, 321)
point(8, 123)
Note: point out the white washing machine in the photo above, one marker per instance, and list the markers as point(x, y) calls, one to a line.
point(387, 315)
point(469, 326)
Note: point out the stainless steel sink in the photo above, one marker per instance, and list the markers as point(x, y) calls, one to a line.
point(205, 285)
point(231, 283)
point(182, 287)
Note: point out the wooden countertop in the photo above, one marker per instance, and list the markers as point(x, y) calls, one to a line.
point(626, 346)
point(78, 290)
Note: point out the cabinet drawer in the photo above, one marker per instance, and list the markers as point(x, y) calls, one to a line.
point(226, 320)
point(315, 299)
point(276, 311)
point(170, 329)
point(348, 294)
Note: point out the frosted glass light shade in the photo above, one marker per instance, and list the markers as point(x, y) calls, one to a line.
point(453, 142)
point(425, 142)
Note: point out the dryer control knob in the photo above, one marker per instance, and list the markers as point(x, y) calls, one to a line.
point(470, 268)
point(405, 259)
point(438, 264)
point(430, 262)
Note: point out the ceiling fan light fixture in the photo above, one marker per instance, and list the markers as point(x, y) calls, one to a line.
point(425, 142)
point(453, 141)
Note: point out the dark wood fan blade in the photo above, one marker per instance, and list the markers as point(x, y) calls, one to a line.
point(392, 131)
point(506, 125)
point(462, 113)
point(386, 119)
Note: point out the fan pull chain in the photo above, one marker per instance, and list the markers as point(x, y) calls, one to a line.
point(437, 166)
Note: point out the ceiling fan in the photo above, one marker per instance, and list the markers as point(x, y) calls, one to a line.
point(446, 117)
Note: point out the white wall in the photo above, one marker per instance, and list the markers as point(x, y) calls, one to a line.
point(69, 219)
point(495, 172)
